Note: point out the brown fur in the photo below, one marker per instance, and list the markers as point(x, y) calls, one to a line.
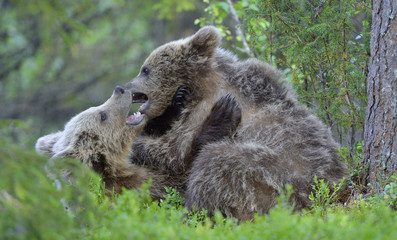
point(105, 145)
point(278, 141)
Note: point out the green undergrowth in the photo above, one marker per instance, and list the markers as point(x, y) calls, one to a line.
point(34, 206)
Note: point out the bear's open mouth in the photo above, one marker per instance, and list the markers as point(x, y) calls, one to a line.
point(141, 98)
point(137, 117)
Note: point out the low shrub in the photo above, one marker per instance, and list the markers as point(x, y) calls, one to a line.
point(33, 206)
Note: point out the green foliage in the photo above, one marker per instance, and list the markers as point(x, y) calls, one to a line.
point(60, 57)
point(31, 207)
point(387, 186)
point(168, 8)
point(30, 204)
point(323, 195)
point(386, 193)
point(197, 218)
point(390, 192)
point(353, 158)
point(97, 188)
point(16, 131)
point(173, 199)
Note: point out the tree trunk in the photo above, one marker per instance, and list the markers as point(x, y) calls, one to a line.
point(380, 130)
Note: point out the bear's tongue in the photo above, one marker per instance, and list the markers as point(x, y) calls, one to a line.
point(135, 119)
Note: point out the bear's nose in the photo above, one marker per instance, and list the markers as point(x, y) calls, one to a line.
point(119, 89)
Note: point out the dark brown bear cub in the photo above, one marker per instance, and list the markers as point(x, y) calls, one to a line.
point(278, 141)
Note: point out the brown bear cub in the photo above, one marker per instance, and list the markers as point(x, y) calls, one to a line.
point(101, 137)
point(243, 170)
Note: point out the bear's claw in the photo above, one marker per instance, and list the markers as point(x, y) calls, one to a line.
point(181, 97)
point(225, 115)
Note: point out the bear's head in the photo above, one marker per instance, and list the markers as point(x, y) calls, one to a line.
point(180, 63)
point(99, 135)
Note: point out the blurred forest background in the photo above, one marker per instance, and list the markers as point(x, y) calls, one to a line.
point(58, 57)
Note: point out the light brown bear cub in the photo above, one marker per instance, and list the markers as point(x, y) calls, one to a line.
point(278, 142)
point(101, 138)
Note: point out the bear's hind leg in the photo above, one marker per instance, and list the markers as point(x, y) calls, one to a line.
point(237, 179)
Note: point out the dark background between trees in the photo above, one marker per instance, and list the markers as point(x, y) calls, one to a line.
point(59, 57)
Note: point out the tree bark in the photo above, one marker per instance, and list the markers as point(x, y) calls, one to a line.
point(380, 130)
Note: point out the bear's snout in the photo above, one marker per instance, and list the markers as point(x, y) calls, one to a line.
point(119, 89)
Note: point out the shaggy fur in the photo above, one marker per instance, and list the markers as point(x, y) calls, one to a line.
point(278, 141)
point(103, 143)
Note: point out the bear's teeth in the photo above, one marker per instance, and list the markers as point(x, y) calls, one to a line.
point(137, 114)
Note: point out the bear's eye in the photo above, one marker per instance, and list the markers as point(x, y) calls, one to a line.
point(103, 116)
point(145, 71)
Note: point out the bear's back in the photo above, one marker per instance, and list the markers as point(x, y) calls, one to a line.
point(273, 117)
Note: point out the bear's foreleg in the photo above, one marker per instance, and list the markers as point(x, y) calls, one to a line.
point(221, 122)
point(157, 145)
point(160, 125)
point(177, 148)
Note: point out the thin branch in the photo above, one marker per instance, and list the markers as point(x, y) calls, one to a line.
point(239, 32)
point(324, 87)
point(285, 23)
point(319, 9)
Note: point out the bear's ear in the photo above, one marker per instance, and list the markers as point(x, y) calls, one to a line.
point(204, 41)
point(45, 144)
